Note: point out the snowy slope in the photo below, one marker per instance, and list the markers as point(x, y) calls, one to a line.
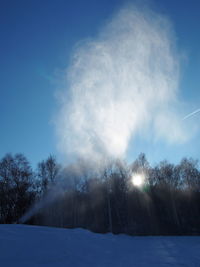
point(28, 246)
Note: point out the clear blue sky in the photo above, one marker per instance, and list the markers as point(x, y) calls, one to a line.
point(37, 39)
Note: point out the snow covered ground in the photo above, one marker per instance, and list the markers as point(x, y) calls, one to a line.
point(28, 246)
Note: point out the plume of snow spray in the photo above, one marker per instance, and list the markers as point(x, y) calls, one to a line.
point(120, 83)
point(66, 181)
point(50, 197)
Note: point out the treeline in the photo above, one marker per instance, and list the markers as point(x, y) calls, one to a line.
point(102, 199)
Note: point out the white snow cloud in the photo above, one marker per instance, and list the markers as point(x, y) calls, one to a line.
point(120, 83)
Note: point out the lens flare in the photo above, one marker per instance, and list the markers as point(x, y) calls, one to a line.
point(138, 179)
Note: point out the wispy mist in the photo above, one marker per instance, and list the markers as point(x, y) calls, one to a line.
point(119, 84)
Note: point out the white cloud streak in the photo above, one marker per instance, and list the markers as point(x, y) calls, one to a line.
point(121, 83)
point(191, 114)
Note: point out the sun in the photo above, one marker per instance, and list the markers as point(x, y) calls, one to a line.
point(137, 179)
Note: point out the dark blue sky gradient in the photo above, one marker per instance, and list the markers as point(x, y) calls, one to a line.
point(37, 40)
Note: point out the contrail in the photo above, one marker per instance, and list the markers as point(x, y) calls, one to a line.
point(191, 114)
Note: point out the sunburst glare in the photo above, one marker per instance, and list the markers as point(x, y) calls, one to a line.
point(138, 179)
